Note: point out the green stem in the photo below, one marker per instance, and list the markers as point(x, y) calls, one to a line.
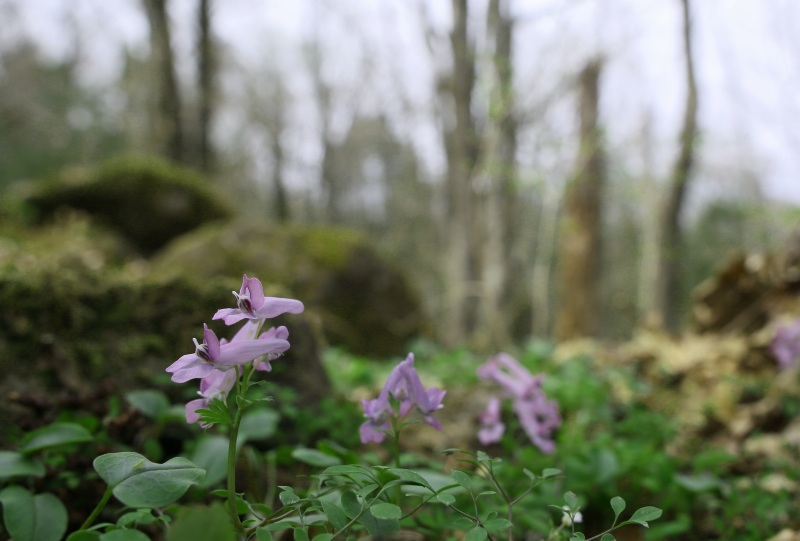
point(234, 515)
point(97, 510)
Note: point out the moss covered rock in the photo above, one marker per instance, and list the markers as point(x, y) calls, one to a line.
point(365, 304)
point(147, 200)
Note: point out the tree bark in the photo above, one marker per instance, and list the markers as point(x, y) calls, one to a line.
point(205, 75)
point(167, 123)
point(579, 258)
point(668, 292)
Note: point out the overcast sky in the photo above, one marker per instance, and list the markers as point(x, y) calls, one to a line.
point(748, 59)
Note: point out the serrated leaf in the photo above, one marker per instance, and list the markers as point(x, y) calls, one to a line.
point(32, 518)
point(137, 482)
point(150, 402)
point(461, 478)
point(618, 505)
point(12, 464)
point(54, 435)
point(388, 511)
point(476, 534)
point(644, 514)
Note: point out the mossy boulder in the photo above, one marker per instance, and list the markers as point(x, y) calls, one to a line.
point(147, 200)
point(365, 304)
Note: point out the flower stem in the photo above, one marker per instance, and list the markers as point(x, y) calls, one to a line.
point(97, 510)
point(234, 515)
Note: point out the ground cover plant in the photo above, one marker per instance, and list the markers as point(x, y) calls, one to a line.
point(346, 493)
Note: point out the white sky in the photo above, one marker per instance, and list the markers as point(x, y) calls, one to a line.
point(748, 61)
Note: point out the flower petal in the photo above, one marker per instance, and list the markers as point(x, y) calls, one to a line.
point(211, 341)
point(191, 409)
point(275, 306)
point(256, 291)
point(194, 372)
point(185, 361)
point(244, 351)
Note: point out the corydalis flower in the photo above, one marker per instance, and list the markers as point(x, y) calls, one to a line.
point(252, 304)
point(492, 428)
point(216, 385)
point(538, 415)
point(785, 345)
point(405, 386)
point(212, 355)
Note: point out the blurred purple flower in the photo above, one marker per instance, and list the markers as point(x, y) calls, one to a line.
point(405, 386)
point(538, 415)
point(216, 385)
point(212, 354)
point(252, 304)
point(785, 345)
point(492, 428)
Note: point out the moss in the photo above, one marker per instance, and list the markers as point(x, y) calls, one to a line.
point(147, 200)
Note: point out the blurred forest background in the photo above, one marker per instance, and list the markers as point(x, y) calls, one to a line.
point(551, 168)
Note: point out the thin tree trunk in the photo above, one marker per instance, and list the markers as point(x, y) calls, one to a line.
point(205, 75)
point(167, 124)
point(671, 234)
point(579, 258)
point(496, 172)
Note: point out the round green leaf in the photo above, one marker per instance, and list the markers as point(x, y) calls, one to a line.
point(12, 464)
point(608, 537)
point(200, 522)
point(314, 457)
point(387, 511)
point(54, 435)
point(300, 534)
point(571, 499)
point(644, 514)
point(33, 518)
point(124, 535)
point(497, 524)
point(476, 534)
point(137, 482)
point(84, 535)
point(211, 454)
point(323, 537)
point(618, 505)
point(258, 424)
point(150, 402)
point(461, 478)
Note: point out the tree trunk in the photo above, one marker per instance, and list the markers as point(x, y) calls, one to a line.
point(167, 123)
point(668, 294)
point(496, 174)
point(205, 74)
point(460, 141)
point(579, 258)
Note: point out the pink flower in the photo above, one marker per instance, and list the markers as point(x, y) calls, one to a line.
point(216, 385)
point(212, 355)
point(252, 304)
point(538, 415)
point(405, 386)
point(785, 345)
point(492, 428)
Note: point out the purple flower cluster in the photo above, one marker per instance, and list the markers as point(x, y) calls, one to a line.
point(215, 360)
point(538, 415)
point(405, 386)
point(785, 345)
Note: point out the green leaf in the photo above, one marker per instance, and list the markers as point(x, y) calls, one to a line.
point(411, 477)
point(300, 535)
point(350, 504)
point(288, 496)
point(461, 478)
point(54, 435)
point(138, 517)
point(137, 482)
point(263, 534)
point(258, 424)
point(608, 537)
point(84, 535)
point(646, 513)
point(387, 511)
point(124, 535)
point(314, 457)
point(618, 505)
point(150, 402)
point(497, 524)
point(476, 534)
point(697, 483)
point(12, 464)
point(323, 537)
point(578, 536)
point(33, 518)
point(461, 523)
point(548, 473)
point(335, 514)
point(211, 454)
point(447, 499)
point(203, 523)
point(571, 499)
